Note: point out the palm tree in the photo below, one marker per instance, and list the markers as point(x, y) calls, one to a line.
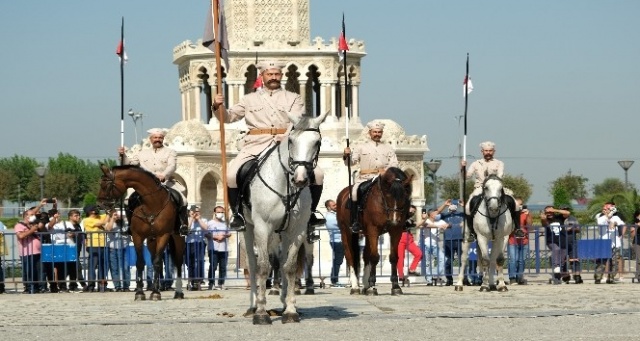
point(627, 203)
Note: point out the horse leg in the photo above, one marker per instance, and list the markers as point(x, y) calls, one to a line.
point(259, 269)
point(352, 255)
point(464, 259)
point(372, 257)
point(308, 268)
point(276, 279)
point(290, 270)
point(499, 261)
point(177, 253)
point(484, 260)
point(393, 259)
point(157, 270)
point(139, 294)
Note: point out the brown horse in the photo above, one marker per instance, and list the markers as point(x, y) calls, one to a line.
point(385, 209)
point(155, 220)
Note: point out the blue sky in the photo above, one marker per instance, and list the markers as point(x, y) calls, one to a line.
point(556, 82)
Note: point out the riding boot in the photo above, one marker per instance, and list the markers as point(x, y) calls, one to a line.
point(184, 220)
point(237, 222)
point(316, 192)
point(515, 217)
point(472, 232)
point(355, 210)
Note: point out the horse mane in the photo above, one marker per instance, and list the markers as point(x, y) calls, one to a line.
point(395, 178)
point(139, 169)
point(492, 177)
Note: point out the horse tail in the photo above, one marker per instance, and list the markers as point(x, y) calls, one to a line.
point(354, 244)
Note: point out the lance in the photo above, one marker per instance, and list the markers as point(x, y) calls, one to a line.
point(347, 99)
point(463, 169)
point(215, 4)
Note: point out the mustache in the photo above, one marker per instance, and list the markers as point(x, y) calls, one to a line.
point(273, 81)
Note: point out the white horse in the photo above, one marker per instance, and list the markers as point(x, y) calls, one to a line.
point(279, 212)
point(491, 222)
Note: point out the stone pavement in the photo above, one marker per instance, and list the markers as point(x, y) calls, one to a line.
point(537, 311)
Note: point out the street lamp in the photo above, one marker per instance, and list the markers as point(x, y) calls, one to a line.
point(433, 166)
point(41, 171)
point(135, 116)
point(626, 164)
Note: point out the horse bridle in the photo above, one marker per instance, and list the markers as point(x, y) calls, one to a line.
point(390, 210)
point(308, 165)
point(110, 189)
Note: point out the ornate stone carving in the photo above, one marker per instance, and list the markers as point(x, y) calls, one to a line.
point(189, 135)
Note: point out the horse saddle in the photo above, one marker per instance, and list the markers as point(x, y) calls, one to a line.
point(362, 191)
point(243, 178)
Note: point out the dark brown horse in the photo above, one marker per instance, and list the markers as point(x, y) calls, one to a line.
point(385, 209)
point(155, 220)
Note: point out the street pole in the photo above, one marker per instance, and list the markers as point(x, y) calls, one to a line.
point(626, 164)
point(433, 167)
point(41, 171)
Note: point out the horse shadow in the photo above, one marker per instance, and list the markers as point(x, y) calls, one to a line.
point(330, 312)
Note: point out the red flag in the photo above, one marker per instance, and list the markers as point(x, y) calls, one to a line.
point(467, 86)
point(121, 52)
point(258, 83)
point(343, 47)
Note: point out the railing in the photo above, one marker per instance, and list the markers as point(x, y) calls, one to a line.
point(95, 267)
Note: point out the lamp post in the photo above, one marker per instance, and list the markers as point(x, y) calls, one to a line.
point(433, 166)
point(41, 171)
point(626, 164)
point(135, 116)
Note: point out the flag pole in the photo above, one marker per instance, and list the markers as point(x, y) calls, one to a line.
point(122, 90)
point(463, 169)
point(215, 5)
point(347, 102)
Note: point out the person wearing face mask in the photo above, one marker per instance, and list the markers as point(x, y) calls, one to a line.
point(29, 248)
point(218, 237)
point(433, 226)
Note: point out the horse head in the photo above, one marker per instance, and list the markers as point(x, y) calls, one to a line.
point(493, 194)
point(304, 147)
point(109, 191)
point(395, 186)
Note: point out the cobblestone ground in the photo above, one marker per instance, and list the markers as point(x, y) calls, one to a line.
point(537, 311)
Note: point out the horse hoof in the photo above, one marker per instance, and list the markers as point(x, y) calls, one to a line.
point(310, 292)
point(274, 292)
point(502, 289)
point(290, 318)
point(396, 291)
point(484, 288)
point(178, 296)
point(155, 296)
point(140, 297)
point(372, 292)
point(493, 288)
point(354, 291)
point(250, 312)
point(262, 319)
point(459, 287)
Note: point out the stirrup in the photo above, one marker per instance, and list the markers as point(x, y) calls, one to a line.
point(356, 227)
point(315, 221)
point(471, 238)
point(237, 223)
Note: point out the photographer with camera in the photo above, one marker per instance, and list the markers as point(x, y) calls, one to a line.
point(407, 243)
point(30, 248)
point(196, 247)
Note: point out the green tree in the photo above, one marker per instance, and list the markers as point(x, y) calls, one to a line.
point(449, 187)
point(574, 185)
point(25, 183)
point(561, 197)
point(609, 186)
point(70, 178)
point(520, 186)
point(627, 202)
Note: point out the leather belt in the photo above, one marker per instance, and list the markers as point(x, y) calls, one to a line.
point(370, 171)
point(265, 131)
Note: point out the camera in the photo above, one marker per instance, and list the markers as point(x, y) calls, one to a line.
point(50, 201)
point(454, 202)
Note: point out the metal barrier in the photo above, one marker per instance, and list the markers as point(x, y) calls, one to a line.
point(62, 265)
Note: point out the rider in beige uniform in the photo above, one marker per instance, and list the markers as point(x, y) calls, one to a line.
point(265, 113)
point(481, 169)
point(373, 157)
point(161, 161)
